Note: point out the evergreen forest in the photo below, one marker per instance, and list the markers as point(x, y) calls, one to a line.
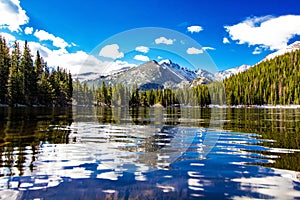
point(28, 82)
point(273, 82)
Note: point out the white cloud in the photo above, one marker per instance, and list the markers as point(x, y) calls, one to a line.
point(28, 30)
point(194, 29)
point(141, 58)
point(56, 41)
point(208, 48)
point(159, 57)
point(70, 61)
point(257, 50)
point(225, 40)
point(12, 15)
point(193, 50)
point(163, 40)
point(111, 51)
point(142, 49)
point(267, 32)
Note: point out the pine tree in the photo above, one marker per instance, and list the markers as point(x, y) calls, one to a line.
point(4, 70)
point(29, 76)
point(15, 86)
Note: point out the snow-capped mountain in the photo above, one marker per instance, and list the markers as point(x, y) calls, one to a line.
point(292, 47)
point(202, 73)
point(230, 72)
point(163, 74)
point(152, 75)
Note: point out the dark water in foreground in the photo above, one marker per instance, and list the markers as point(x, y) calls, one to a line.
point(174, 153)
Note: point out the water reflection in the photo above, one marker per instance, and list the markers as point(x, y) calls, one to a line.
point(133, 139)
point(121, 153)
point(24, 130)
point(277, 129)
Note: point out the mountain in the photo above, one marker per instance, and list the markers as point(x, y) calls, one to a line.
point(163, 74)
point(152, 75)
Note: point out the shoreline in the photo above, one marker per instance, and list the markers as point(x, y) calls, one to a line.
point(160, 106)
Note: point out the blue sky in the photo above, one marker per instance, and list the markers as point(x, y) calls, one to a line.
point(231, 32)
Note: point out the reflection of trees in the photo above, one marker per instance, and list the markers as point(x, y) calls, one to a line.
point(279, 125)
point(22, 130)
point(105, 115)
point(140, 115)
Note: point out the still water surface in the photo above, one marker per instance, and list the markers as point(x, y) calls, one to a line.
point(149, 153)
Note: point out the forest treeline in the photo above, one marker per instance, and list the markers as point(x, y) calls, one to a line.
point(24, 81)
point(120, 95)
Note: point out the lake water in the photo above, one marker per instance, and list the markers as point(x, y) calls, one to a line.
point(149, 153)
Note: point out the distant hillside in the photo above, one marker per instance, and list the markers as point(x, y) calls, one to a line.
point(273, 81)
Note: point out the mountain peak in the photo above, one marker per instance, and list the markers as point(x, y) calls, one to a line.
point(166, 61)
point(153, 62)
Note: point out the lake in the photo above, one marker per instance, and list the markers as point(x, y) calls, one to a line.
point(149, 153)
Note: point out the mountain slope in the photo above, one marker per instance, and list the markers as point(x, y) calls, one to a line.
point(274, 81)
point(184, 72)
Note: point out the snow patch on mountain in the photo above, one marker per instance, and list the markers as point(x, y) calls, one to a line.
point(230, 72)
point(292, 47)
point(181, 71)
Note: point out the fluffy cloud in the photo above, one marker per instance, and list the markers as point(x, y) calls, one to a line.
point(28, 30)
point(15, 16)
point(142, 49)
point(141, 58)
point(111, 51)
point(225, 40)
point(56, 41)
point(267, 32)
point(163, 40)
point(193, 50)
point(194, 29)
